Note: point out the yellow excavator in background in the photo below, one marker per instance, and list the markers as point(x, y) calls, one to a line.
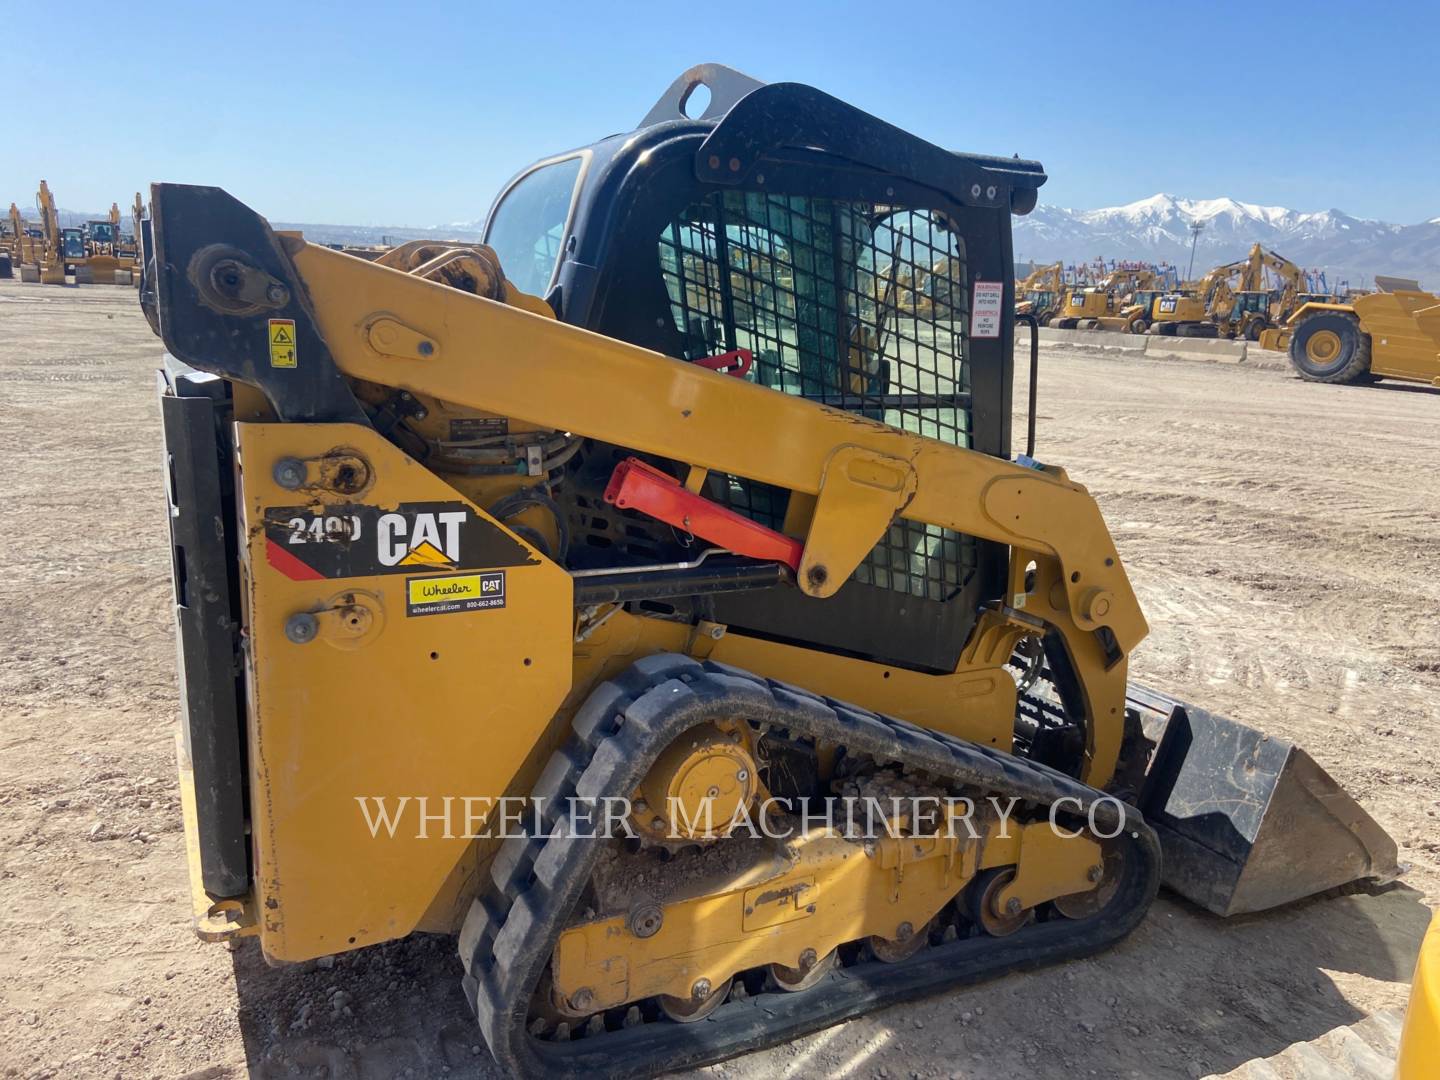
point(1233, 299)
point(96, 253)
point(1041, 293)
point(127, 246)
point(22, 248)
point(134, 247)
point(924, 291)
point(1187, 311)
point(807, 692)
point(1284, 286)
point(1110, 304)
point(60, 248)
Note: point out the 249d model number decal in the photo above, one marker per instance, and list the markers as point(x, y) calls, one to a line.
point(306, 544)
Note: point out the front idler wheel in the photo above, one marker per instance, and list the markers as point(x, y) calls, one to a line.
point(1083, 905)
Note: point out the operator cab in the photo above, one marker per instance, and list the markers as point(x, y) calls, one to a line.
point(841, 256)
point(1257, 301)
point(72, 244)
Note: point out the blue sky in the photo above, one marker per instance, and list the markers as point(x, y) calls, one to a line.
point(415, 113)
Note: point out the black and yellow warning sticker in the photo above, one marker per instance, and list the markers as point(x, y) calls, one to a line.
point(282, 344)
point(454, 592)
point(355, 540)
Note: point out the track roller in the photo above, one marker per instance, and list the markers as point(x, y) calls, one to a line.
point(810, 971)
point(982, 899)
point(703, 1000)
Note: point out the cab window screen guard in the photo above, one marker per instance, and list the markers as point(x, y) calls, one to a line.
point(859, 306)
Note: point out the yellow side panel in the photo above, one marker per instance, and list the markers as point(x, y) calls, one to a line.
point(1402, 344)
point(401, 645)
point(1420, 1042)
point(976, 705)
point(1173, 308)
point(1085, 305)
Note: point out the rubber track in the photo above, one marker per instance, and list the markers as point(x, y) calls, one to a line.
point(512, 928)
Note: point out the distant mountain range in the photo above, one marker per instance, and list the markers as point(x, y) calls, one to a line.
point(320, 234)
point(379, 234)
point(1157, 229)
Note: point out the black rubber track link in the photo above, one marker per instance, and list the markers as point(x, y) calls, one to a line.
point(512, 928)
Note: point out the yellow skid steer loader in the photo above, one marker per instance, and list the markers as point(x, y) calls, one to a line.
point(644, 599)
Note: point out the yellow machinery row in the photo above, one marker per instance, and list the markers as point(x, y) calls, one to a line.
point(1393, 333)
point(96, 253)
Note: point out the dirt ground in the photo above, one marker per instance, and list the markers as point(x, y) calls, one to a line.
point(1284, 541)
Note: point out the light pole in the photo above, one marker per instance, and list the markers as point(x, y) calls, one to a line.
point(1196, 228)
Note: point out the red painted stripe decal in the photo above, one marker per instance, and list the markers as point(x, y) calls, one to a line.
point(288, 564)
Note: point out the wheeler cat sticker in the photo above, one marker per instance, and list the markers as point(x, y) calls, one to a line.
point(306, 543)
point(454, 592)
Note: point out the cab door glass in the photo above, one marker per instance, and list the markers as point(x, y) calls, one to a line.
point(527, 228)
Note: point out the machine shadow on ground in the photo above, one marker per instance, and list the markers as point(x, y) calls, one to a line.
point(376, 1012)
point(1208, 995)
point(396, 1007)
point(1403, 388)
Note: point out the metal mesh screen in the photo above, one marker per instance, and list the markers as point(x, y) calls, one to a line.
point(861, 307)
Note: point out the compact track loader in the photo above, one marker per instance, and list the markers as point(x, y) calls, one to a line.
point(657, 516)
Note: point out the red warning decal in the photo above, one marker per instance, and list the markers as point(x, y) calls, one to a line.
point(288, 564)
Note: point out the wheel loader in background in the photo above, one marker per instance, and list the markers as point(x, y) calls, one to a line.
point(651, 504)
point(109, 259)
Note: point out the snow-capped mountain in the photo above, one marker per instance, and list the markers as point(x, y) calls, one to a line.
point(1158, 229)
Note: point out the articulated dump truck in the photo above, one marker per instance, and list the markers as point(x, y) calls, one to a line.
point(565, 593)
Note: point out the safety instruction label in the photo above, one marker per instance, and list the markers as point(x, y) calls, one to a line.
point(454, 592)
point(985, 311)
point(282, 343)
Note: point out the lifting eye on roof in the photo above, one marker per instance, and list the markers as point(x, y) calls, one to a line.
point(723, 86)
point(695, 101)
